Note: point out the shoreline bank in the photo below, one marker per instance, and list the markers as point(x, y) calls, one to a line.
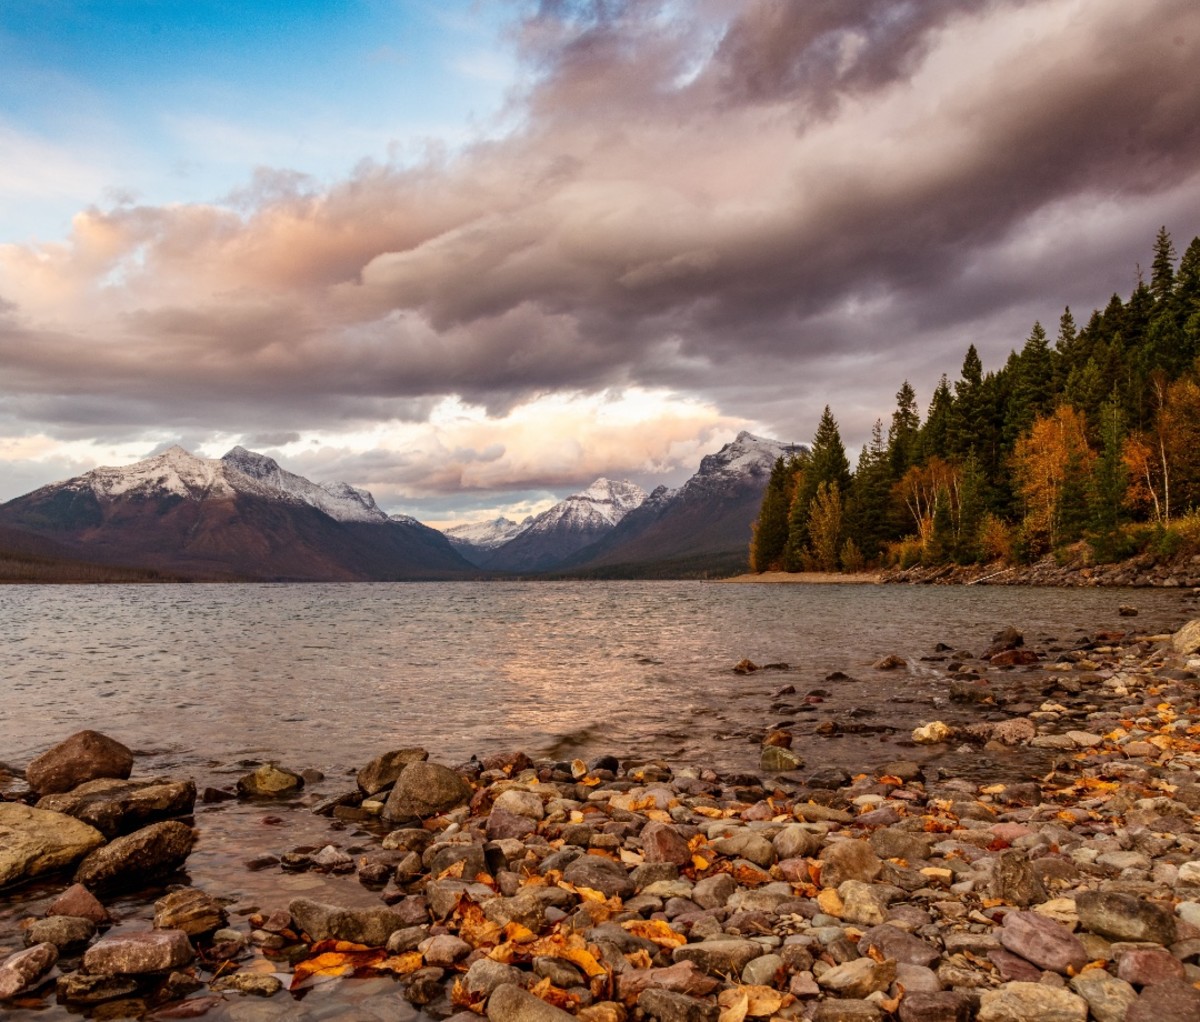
point(605, 890)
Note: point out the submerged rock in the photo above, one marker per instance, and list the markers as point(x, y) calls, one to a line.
point(130, 861)
point(269, 781)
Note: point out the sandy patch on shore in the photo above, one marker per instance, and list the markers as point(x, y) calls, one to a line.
point(809, 577)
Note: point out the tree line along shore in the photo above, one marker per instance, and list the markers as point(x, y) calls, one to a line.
point(1085, 449)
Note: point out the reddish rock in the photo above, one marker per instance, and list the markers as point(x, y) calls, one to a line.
point(1049, 945)
point(131, 954)
point(85, 756)
point(1014, 658)
point(663, 843)
point(1172, 1000)
point(20, 971)
point(78, 901)
point(1143, 966)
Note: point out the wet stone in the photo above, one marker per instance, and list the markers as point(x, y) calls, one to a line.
point(370, 926)
point(269, 781)
point(129, 861)
point(130, 954)
point(22, 970)
point(509, 1003)
point(67, 933)
point(85, 756)
point(78, 901)
point(255, 984)
point(116, 807)
point(82, 988)
point(190, 910)
point(381, 773)
point(424, 790)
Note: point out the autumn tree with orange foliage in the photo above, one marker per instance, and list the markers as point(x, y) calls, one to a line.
point(1052, 464)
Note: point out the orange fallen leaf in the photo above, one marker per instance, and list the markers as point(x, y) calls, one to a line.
point(657, 930)
point(336, 963)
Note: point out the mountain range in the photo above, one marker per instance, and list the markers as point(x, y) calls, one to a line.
point(243, 516)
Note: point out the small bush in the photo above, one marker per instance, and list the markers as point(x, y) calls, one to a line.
point(995, 539)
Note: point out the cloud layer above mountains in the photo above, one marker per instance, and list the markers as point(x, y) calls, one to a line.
point(712, 214)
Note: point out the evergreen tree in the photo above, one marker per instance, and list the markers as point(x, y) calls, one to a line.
point(902, 436)
point(826, 463)
point(771, 529)
point(868, 504)
point(1109, 480)
point(1162, 270)
point(825, 526)
point(971, 508)
point(1032, 385)
point(934, 440)
point(967, 411)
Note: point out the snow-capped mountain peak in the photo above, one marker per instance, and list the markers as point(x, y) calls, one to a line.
point(602, 504)
point(747, 457)
point(174, 472)
point(341, 501)
point(486, 535)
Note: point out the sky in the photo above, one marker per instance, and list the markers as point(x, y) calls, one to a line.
point(473, 254)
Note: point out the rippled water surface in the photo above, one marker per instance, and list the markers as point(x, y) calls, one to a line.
point(203, 680)
point(327, 676)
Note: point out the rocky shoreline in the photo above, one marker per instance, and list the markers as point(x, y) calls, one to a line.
point(1141, 572)
point(535, 891)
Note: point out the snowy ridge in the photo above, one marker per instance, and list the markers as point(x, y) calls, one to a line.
point(747, 458)
point(486, 535)
point(341, 501)
point(178, 473)
point(601, 505)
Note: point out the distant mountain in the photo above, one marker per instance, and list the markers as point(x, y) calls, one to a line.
point(701, 528)
point(475, 539)
point(569, 526)
point(240, 516)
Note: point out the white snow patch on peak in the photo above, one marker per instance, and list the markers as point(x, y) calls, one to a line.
point(604, 503)
point(174, 472)
point(262, 475)
point(486, 535)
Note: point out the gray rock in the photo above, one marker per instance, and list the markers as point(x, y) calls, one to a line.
point(381, 773)
point(521, 803)
point(776, 759)
point(424, 790)
point(720, 957)
point(129, 861)
point(600, 874)
point(80, 988)
point(117, 807)
point(796, 842)
point(746, 844)
point(1187, 640)
point(713, 891)
point(255, 983)
point(890, 843)
point(370, 926)
point(445, 949)
point(485, 975)
point(936, 1006)
point(269, 781)
point(191, 910)
point(849, 860)
point(858, 978)
point(1108, 998)
point(132, 954)
point(407, 939)
point(83, 757)
point(682, 978)
point(892, 942)
point(1046, 943)
point(37, 841)
point(67, 933)
point(862, 903)
point(848, 1010)
point(1124, 917)
point(509, 1003)
point(1014, 880)
point(669, 1006)
point(1031, 1002)
point(21, 971)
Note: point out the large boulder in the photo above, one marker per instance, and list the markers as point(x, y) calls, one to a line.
point(1124, 917)
point(117, 807)
point(381, 773)
point(36, 841)
point(129, 861)
point(85, 756)
point(424, 790)
point(1187, 639)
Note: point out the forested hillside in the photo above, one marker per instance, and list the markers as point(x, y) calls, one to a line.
point(1087, 445)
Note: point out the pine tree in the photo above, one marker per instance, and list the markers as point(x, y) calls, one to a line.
point(971, 508)
point(1109, 480)
point(771, 530)
point(934, 440)
point(967, 411)
point(902, 435)
point(1032, 385)
point(826, 463)
point(1162, 270)
point(867, 507)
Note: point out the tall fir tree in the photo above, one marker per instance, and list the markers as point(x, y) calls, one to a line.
point(771, 529)
point(902, 435)
point(827, 463)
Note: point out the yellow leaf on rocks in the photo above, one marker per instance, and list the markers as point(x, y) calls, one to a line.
point(474, 927)
point(402, 965)
point(518, 934)
point(329, 964)
point(640, 959)
point(700, 862)
point(831, 903)
point(712, 812)
point(734, 1004)
point(763, 1000)
point(658, 815)
point(576, 816)
point(657, 930)
point(632, 858)
point(453, 872)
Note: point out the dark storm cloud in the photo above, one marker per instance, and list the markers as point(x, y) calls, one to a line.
point(733, 200)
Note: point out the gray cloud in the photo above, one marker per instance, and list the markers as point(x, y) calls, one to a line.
point(785, 205)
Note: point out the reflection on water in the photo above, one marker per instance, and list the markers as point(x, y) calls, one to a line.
point(329, 675)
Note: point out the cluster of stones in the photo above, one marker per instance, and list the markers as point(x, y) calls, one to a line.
point(1143, 571)
point(533, 892)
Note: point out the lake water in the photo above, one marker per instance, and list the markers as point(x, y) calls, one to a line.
point(200, 680)
point(327, 676)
